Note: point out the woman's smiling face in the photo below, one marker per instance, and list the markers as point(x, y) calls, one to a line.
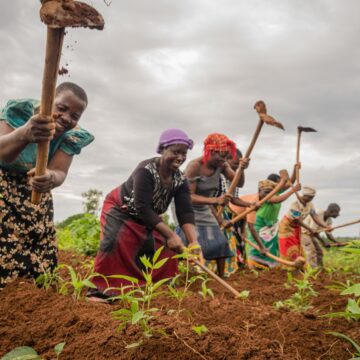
point(68, 107)
point(174, 155)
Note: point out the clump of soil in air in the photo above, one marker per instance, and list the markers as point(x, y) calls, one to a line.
point(63, 71)
point(70, 14)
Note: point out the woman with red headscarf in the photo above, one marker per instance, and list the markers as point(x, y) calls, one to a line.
point(203, 174)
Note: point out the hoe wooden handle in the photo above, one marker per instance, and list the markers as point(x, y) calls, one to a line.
point(339, 226)
point(297, 171)
point(284, 178)
point(295, 263)
point(218, 279)
point(239, 171)
point(54, 41)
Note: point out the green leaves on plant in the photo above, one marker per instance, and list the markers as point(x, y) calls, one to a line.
point(22, 353)
point(81, 235)
point(199, 330)
point(205, 291)
point(125, 277)
point(59, 348)
point(137, 299)
point(77, 282)
point(300, 301)
point(146, 262)
point(244, 294)
point(352, 290)
point(352, 310)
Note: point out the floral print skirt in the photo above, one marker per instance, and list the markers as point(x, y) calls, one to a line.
point(27, 231)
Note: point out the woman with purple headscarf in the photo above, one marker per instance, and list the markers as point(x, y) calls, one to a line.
point(131, 225)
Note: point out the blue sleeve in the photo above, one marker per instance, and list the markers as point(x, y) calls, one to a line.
point(17, 112)
point(74, 140)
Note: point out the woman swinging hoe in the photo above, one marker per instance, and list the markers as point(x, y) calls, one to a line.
point(293, 220)
point(131, 225)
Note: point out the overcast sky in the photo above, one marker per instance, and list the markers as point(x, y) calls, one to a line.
point(200, 65)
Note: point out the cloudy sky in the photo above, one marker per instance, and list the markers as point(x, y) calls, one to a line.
point(200, 65)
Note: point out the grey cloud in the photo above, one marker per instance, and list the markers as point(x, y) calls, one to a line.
point(300, 57)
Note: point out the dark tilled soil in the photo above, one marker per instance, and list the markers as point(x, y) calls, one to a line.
point(237, 329)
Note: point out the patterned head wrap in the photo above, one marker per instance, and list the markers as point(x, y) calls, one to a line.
point(266, 184)
point(172, 137)
point(218, 142)
point(308, 191)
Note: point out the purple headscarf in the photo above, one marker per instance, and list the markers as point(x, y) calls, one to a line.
point(174, 136)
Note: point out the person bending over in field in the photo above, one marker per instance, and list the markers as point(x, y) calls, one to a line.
point(293, 220)
point(265, 229)
point(131, 225)
point(233, 233)
point(27, 232)
point(310, 236)
point(204, 178)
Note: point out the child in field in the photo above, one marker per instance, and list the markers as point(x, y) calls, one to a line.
point(27, 232)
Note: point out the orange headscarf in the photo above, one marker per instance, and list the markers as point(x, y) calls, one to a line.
point(218, 142)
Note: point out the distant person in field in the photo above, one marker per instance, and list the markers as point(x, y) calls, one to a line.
point(293, 220)
point(204, 178)
point(310, 236)
point(27, 232)
point(131, 223)
point(265, 230)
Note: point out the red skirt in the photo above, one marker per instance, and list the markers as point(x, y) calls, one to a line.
point(289, 239)
point(123, 241)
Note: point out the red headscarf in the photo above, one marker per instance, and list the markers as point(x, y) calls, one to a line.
point(218, 142)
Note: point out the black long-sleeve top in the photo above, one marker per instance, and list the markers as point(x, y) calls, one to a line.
point(145, 197)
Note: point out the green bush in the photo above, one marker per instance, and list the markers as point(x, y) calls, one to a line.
point(81, 234)
point(68, 221)
point(344, 259)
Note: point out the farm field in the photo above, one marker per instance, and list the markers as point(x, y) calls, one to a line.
point(202, 325)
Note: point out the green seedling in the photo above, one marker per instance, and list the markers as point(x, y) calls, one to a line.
point(244, 294)
point(137, 300)
point(184, 269)
point(199, 330)
point(300, 301)
point(49, 279)
point(28, 353)
point(339, 286)
point(205, 291)
point(59, 348)
point(22, 353)
point(352, 310)
point(77, 281)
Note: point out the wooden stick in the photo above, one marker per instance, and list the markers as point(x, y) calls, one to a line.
point(297, 170)
point(54, 41)
point(284, 177)
point(218, 279)
point(295, 263)
point(239, 172)
point(339, 226)
point(339, 244)
point(260, 108)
